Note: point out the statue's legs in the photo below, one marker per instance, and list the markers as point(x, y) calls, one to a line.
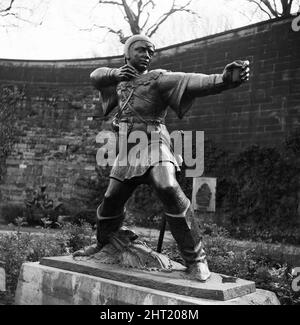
point(110, 214)
point(176, 205)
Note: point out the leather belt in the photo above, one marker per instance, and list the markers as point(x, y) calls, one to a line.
point(145, 121)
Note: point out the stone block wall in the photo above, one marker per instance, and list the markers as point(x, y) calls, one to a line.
point(61, 114)
point(55, 146)
point(262, 111)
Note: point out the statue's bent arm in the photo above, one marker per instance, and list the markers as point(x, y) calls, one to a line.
point(104, 81)
point(103, 77)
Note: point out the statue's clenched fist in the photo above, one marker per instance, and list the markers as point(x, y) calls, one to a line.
point(125, 73)
point(236, 73)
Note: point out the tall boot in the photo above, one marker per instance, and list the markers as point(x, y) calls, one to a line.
point(191, 250)
point(106, 226)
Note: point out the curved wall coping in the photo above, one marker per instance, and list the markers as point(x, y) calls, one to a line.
point(223, 36)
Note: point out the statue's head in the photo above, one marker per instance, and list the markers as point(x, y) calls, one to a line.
point(138, 51)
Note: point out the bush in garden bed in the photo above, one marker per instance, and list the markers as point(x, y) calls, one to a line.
point(19, 247)
point(267, 273)
point(10, 212)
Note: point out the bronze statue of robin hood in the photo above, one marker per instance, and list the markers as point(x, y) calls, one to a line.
point(143, 97)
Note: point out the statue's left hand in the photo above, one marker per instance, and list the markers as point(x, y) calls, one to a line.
point(236, 73)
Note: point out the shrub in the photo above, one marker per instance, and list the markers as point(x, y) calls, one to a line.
point(267, 273)
point(16, 248)
point(276, 234)
point(10, 212)
point(19, 247)
point(144, 208)
point(261, 188)
point(77, 236)
point(148, 218)
point(257, 190)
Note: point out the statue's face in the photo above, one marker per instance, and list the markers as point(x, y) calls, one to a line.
point(140, 55)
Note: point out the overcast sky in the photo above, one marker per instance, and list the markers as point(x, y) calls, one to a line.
point(60, 29)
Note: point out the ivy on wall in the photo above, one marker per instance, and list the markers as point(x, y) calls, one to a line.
point(260, 185)
point(10, 97)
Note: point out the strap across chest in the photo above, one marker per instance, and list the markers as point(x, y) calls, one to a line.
point(127, 104)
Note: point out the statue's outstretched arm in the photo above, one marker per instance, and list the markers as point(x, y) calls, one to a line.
point(233, 76)
point(201, 84)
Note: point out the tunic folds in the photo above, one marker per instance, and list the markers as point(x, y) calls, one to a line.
point(143, 103)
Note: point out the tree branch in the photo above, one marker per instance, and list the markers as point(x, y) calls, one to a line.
point(136, 10)
point(146, 21)
point(271, 9)
point(152, 29)
point(9, 14)
point(19, 13)
point(284, 5)
point(261, 8)
point(108, 2)
point(147, 4)
point(9, 6)
point(141, 9)
point(289, 6)
point(275, 6)
point(119, 32)
point(132, 18)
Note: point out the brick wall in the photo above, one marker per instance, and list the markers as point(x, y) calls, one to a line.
point(61, 114)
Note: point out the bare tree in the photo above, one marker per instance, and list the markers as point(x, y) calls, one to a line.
point(12, 11)
point(275, 8)
point(137, 14)
point(6, 8)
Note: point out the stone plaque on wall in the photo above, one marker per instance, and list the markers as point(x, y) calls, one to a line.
point(204, 194)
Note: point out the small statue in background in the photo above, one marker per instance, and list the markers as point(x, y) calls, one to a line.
point(40, 206)
point(40, 199)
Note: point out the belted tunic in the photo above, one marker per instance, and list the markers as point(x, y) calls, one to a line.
point(143, 103)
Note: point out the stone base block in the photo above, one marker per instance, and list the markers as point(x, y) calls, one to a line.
point(44, 285)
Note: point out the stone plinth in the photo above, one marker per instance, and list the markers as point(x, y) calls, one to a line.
point(42, 284)
point(173, 282)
